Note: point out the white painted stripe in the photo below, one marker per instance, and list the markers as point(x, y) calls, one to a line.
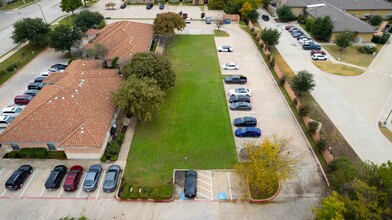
point(102, 176)
point(203, 188)
point(1, 170)
point(228, 177)
point(29, 182)
point(204, 195)
point(42, 192)
point(60, 192)
point(211, 185)
point(3, 192)
point(204, 182)
point(202, 175)
point(80, 189)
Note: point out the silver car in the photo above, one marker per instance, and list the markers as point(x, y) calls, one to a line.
point(111, 178)
point(91, 180)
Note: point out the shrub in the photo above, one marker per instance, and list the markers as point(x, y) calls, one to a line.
point(13, 154)
point(381, 40)
point(295, 102)
point(272, 61)
point(120, 138)
point(112, 149)
point(103, 158)
point(203, 14)
point(39, 153)
point(282, 80)
point(303, 111)
point(301, 19)
point(367, 49)
point(309, 24)
point(114, 62)
point(322, 144)
point(12, 67)
point(113, 158)
point(268, 56)
point(56, 155)
point(70, 60)
point(101, 24)
point(312, 127)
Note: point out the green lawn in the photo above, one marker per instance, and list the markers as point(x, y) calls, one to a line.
point(67, 20)
point(221, 33)
point(192, 129)
point(351, 55)
point(338, 69)
point(16, 4)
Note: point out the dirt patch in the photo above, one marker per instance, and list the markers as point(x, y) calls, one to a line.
point(179, 178)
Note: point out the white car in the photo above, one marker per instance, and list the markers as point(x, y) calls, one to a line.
point(5, 121)
point(240, 91)
point(225, 49)
point(305, 41)
point(188, 20)
point(11, 111)
point(318, 56)
point(230, 66)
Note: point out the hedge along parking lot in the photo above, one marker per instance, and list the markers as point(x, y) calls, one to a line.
point(191, 131)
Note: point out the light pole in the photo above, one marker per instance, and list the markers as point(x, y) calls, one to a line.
point(42, 12)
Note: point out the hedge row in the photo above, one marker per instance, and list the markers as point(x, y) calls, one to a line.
point(36, 153)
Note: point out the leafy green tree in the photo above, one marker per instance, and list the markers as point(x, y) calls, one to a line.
point(303, 82)
point(99, 51)
point(216, 4)
point(31, 29)
point(322, 27)
point(62, 38)
point(333, 207)
point(253, 15)
point(165, 23)
point(285, 13)
point(265, 3)
point(151, 65)
point(375, 20)
point(232, 7)
point(140, 97)
point(87, 19)
point(309, 24)
point(344, 39)
point(246, 9)
point(270, 36)
point(268, 161)
point(70, 5)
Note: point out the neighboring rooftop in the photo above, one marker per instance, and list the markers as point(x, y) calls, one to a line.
point(361, 4)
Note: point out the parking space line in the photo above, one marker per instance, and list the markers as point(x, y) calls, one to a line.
point(3, 192)
point(42, 192)
point(28, 183)
point(80, 189)
point(60, 192)
point(211, 184)
point(204, 188)
point(205, 182)
point(204, 195)
point(228, 177)
point(202, 175)
point(96, 197)
point(2, 170)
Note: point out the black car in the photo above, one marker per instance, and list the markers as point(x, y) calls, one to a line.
point(239, 98)
point(32, 92)
point(123, 6)
point(246, 121)
point(190, 188)
point(265, 17)
point(17, 178)
point(39, 79)
point(35, 85)
point(149, 6)
point(56, 176)
point(59, 66)
point(161, 6)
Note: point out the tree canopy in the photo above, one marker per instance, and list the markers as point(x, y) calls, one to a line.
point(165, 23)
point(31, 29)
point(303, 82)
point(344, 39)
point(139, 96)
point(375, 20)
point(270, 36)
point(322, 28)
point(99, 51)
point(70, 5)
point(87, 19)
point(62, 38)
point(285, 13)
point(216, 4)
point(151, 65)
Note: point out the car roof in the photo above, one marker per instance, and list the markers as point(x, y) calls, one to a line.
point(5, 117)
point(13, 108)
point(252, 129)
point(76, 168)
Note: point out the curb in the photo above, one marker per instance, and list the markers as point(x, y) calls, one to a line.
point(268, 199)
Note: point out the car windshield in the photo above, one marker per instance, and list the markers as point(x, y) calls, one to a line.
point(10, 119)
point(91, 175)
point(17, 110)
point(88, 182)
point(110, 177)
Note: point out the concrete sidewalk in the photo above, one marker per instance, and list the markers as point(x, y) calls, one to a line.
point(126, 145)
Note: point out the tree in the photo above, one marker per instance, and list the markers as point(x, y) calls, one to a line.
point(140, 97)
point(31, 29)
point(216, 4)
point(70, 5)
point(344, 39)
point(270, 37)
point(269, 161)
point(253, 15)
point(285, 13)
point(333, 207)
point(152, 65)
point(375, 20)
point(322, 27)
point(233, 7)
point(99, 51)
point(303, 82)
point(246, 9)
point(265, 3)
point(87, 19)
point(165, 23)
point(62, 38)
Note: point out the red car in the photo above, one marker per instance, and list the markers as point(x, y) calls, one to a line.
point(288, 27)
point(317, 51)
point(73, 178)
point(23, 99)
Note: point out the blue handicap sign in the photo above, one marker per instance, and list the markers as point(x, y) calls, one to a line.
point(182, 196)
point(221, 196)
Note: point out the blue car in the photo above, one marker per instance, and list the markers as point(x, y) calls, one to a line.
point(248, 132)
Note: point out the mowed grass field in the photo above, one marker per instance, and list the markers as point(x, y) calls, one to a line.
point(193, 129)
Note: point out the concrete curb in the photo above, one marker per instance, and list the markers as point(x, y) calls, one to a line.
point(268, 199)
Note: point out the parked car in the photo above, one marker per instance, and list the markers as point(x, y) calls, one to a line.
point(287, 27)
point(245, 106)
point(124, 5)
point(297, 33)
point(16, 180)
point(5, 120)
point(305, 40)
point(36, 85)
point(302, 37)
point(188, 20)
point(161, 6)
point(56, 70)
point(72, 180)
point(23, 99)
point(149, 6)
point(239, 98)
point(32, 92)
point(39, 79)
point(184, 15)
point(318, 56)
point(190, 186)
point(317, 51)
point(248, 132)
point(240, 91)
point(293, 29)
point(11, 111)
point(225, 49)
point(265, 17)
point(311, 46)
point(236, 79)
point(208, 20)
point(59, 65)
point(55, 177)
point(246, 121)
point(111, 178)
point(230, 66)
point(92, 176)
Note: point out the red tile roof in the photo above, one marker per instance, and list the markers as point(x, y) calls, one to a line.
point(124, 38)
point(75, 112)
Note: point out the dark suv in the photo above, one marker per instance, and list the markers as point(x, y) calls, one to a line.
point(17, 179)
point(36, 85)
point(239, 98)
point(190, 188)
point(55, 177)
point(265, 17)
point(311, 46)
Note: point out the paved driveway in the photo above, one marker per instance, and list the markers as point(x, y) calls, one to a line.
point(354, 104)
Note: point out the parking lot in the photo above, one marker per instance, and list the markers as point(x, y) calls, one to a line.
point(33, 187)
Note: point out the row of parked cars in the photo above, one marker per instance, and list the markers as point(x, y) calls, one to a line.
point(307, 43)
point(73, 176)
point(240, 100)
